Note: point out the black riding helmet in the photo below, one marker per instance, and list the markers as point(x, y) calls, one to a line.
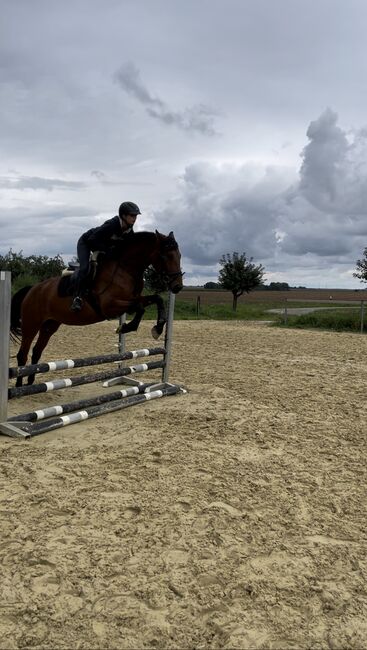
point(128, 207)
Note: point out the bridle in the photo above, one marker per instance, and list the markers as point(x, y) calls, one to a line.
point(168, 246)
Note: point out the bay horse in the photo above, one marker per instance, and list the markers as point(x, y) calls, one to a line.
point(117, 289)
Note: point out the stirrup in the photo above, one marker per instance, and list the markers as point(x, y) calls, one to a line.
point(77, 304)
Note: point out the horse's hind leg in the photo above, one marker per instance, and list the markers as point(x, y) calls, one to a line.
point(48, 328)
point(22, 356)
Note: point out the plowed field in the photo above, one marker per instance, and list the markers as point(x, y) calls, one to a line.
point(302, 295)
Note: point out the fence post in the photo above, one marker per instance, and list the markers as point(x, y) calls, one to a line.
point(198, 306)
point(362, 315)
point(5, 295)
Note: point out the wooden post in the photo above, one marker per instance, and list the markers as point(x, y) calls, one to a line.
point(362, 316)
point(5, 296)
point(198, 306)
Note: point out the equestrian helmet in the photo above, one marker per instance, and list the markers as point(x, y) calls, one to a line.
point(128, 207)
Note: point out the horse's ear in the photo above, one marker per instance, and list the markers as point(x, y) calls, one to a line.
point(171, 235)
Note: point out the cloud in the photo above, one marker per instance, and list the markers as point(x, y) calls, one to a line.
point(333, 175)
point(225, 208)
point(37, 183)
point(104, 180)
point(317, 218)
point(198, 118)
point(46, 230)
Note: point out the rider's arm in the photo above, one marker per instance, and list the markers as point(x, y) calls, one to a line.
point(99, 238)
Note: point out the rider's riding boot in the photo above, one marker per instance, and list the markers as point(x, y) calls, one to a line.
point(77, 304)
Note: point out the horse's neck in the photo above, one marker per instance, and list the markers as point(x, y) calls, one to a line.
point(136, 258)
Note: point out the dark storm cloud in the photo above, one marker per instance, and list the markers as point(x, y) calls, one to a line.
point(197, 118)
point(321, 216)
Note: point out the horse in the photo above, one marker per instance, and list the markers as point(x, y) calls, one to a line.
point(116, 289)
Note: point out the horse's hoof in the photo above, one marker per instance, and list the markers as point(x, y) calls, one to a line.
point(155, 333)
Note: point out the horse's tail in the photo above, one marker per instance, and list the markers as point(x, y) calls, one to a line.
point(15, 321)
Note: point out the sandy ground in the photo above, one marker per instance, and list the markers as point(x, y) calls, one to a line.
point(231, 517)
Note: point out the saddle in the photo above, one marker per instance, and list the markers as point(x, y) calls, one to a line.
point(69, 276)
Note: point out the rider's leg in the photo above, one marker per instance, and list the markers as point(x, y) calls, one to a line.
point(82, 279)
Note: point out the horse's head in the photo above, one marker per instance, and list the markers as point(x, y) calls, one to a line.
point(167, 260)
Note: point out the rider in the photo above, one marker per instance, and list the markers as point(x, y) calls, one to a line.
point(115, 230)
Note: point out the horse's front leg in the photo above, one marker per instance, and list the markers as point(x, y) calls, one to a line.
point(155, 299)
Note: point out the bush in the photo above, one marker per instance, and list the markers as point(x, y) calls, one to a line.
point(337, 321)
point(31, 269)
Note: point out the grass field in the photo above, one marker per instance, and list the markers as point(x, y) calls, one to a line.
point(193, 304)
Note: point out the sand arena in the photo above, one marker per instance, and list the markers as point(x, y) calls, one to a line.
point(232, 517)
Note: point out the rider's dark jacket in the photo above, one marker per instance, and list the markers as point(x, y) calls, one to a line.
point(100, 238)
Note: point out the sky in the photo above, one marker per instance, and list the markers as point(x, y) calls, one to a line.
point(241, 125)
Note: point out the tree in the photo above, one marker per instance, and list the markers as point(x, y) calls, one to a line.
point(155, 282)
point(361, 271)
point(211, 285)
point(239, 275)
point(32, 269)
point(279, 286)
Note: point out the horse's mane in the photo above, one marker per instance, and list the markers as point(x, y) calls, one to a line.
point(140, 244)
point(134, 240)
point(142, 237)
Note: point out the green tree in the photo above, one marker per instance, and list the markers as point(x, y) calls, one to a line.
point(361, 270)
point(279, 286)
point(212, 285)
point(239, 275)
point(31, 269)
point(155, 282)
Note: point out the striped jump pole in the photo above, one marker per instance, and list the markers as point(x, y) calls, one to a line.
point(36, 428)
point(66, 364)
point(57, 384)
point(70, 407)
